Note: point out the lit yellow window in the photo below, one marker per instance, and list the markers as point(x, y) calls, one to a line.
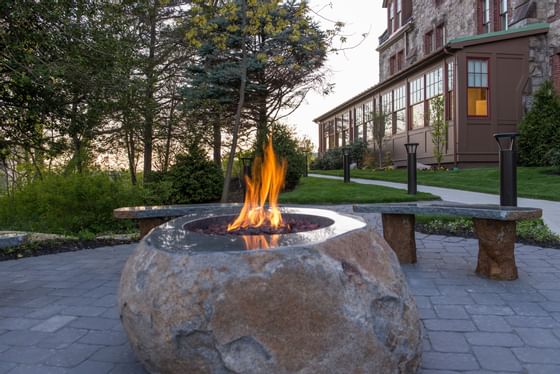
point(477, 88)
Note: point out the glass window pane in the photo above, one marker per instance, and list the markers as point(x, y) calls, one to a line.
point(484, 66)
point(401, 121)
point(418, 116)
point(484, 82)
point(477, 102)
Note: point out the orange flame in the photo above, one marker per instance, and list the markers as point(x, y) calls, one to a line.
point(266, 183)
point(260, 241)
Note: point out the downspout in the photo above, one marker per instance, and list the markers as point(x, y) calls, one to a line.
point(455, 107)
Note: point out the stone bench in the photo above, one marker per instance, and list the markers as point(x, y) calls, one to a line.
point(149, 217)
point(495, 227)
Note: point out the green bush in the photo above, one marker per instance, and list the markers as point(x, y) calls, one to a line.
point(286, 147)
point(553, 157)
point(329, 160)
point(358, 151)
point(540, 129)
point(79, 204)
point(193, 178)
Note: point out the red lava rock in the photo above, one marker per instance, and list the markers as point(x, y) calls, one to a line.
point(290, 226)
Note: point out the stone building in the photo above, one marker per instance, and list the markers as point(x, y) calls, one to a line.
point(485, 58)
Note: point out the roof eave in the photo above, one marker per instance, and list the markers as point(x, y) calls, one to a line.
point(379, 86)
point(530, 30)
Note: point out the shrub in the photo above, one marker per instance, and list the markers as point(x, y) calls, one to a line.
point(553, 157)
point(540, 129)
point(69, 204)
point(358, 151)
point(193, 178)
point(329, 160)
point(370, 159)
point(286, 147)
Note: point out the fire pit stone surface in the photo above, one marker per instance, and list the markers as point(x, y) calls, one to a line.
point(331, 300)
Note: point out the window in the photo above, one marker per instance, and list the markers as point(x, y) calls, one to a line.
point(440, 35)
point(330, 135)
point(504, 21)
point(434, 88)
point(392, 17)
point(434, 84)
point(477, 88)
point(400, 60)
point(399, 96)
point(368, 109)
point(450, 89)
point(398, 18)
point(345, 128)
point(417, 102)
point(325, 136)
point(387, 108)
point(392, 64)
point(485, 7)
point(428, 42)
point(338, 132)
point(359, 126)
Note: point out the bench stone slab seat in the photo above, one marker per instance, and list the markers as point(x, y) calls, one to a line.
point(495, 227)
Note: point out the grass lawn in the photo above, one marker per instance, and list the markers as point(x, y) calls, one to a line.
point(325, 191)
point(537, 183)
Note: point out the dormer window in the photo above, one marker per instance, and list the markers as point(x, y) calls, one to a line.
point(485, 16)
point(392, 17)
point(504, 14)
point(398, 18)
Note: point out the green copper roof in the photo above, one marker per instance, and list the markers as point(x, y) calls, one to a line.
point(512, 31)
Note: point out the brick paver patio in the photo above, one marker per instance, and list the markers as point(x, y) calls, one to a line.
point(58, 312)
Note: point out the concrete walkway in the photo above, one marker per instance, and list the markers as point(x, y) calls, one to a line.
point(551, 209)
point(58, 313)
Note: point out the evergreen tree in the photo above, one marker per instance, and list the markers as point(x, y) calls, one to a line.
point(540, 129)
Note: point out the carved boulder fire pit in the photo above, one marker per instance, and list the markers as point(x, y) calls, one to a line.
point(331, 299)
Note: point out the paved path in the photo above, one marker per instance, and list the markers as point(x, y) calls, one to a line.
point(551, 209)
point(58, 313)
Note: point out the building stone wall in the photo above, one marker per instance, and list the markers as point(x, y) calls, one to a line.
point(541, 48)
point(459, 17)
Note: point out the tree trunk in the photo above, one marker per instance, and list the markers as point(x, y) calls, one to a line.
point(150, 88)
point(131, 153)
point(217, 144)
point(167, 150)
point(240, 103)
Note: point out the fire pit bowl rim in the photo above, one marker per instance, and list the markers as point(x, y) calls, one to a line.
point(173, 237)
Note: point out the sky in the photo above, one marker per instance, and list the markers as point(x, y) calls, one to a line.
point(352, 71)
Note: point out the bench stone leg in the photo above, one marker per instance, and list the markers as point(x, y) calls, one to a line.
point(496, 245)
point(149, 223)
point(398, 231)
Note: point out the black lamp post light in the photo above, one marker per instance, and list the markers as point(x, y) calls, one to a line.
point(411, 158)
point(346, 163)
point(508, 167)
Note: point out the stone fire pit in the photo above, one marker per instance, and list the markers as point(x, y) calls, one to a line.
point(330, 300)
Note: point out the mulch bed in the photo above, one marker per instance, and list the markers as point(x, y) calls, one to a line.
point(424, 229)
point(48, 247)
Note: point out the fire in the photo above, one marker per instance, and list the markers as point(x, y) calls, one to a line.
point(265, 184)
point(260, 241)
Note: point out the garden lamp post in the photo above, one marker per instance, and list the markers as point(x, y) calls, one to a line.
point(508, 167)
point(411, 158)
point(346, 163)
